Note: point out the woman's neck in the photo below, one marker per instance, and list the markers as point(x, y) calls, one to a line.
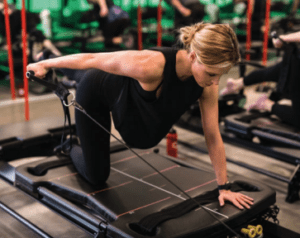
point(183, 65)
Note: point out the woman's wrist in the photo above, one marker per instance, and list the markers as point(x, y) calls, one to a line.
point(225, 186)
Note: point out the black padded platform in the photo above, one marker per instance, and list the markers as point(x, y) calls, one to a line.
point(277, 139)
point(264, 127)
point(134, 191)
point(30, 138)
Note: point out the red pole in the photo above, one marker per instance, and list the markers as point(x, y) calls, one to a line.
point(159, 27)
point(249, 24)
point(9, 51)
point(24, 41)
point(266, 33)
point(139, 23)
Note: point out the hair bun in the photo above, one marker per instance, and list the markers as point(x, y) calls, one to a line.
point(187, 34)
point(217, 44)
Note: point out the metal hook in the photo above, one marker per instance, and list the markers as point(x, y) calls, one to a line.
point(72, 101)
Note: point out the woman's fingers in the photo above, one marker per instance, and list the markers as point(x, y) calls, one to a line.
point(238, 199)
point(243, 202)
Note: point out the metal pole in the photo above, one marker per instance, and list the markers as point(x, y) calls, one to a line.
point(266, 34)
point(139, 25)
point(9, 51)
point(24, 221)
point(24, 41)
point(249, 25)
point(159, 27)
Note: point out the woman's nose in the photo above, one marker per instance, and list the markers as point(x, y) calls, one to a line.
point(216, 80)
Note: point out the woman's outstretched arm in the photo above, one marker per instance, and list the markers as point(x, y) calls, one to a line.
point(140, 65)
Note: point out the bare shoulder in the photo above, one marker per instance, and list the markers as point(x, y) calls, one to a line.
point(154, 57)
point(153, 63)
point(144, 57)
point(146, 66)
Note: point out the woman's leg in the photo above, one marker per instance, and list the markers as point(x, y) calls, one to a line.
point(269, 74)
point(288, 114)
point(92, 159)
point(197, 12)
point(112, 31)
point(291, 114)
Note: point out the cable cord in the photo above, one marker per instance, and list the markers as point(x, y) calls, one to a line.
point(80, 108)
point(63, 93)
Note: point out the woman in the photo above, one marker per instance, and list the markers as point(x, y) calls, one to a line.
point(187, 12)
point(147, 91)
point(289, 114)
point(112, 21)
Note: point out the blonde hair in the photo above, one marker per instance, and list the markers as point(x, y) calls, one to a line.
point(214, 44)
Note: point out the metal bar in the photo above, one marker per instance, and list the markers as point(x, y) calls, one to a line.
point(139, 26)
point(253, 168)
point(24, 40)
point(159, 27)
point(24, 221)
point(9, 49)
point(249, 25)
point(266, 35)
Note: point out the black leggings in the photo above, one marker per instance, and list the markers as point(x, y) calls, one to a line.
point(196, 16)
point(92, 158)
point(289, 114)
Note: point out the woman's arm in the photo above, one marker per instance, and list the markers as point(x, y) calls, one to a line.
point(49, 45)
point(141, 65)
point(103, 8)
point(208, 103)
point(182, 9)
point(292, 37)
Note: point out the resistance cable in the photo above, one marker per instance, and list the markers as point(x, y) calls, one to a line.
point(63, 93)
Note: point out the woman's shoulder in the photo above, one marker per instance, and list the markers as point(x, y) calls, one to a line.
point(154, 57)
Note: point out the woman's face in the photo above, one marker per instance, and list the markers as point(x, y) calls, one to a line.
point(206, 76)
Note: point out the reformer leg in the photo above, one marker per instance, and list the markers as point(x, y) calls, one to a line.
point(294, 186)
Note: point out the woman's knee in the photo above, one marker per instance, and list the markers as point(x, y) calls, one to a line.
point(88, 88)
point(95, 172)
point(98, 177)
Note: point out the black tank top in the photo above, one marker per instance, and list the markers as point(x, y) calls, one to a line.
point(142, 119)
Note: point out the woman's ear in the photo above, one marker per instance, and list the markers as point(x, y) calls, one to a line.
point(192, 56)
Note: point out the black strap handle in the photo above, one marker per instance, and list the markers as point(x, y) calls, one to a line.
point(59, 89)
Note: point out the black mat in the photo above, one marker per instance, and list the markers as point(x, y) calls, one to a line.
point(270, 128)
point(37, 215)
point(133, 191)
point(31, 138)
point(277, 139)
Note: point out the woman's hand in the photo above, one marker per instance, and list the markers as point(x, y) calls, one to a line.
point(186, 12)
point(103, 12)
point(39, 69)
point(277, 43)
point(238, 199)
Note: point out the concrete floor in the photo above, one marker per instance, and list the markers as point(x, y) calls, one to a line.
point(48, 105)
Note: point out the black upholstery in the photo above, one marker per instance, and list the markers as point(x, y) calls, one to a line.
point(127, 196)
point(270, 128)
